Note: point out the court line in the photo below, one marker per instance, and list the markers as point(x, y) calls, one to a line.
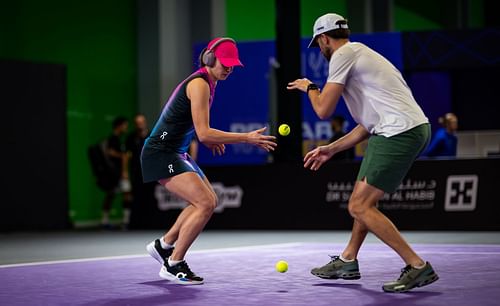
point(249, 248)
point(231, 249)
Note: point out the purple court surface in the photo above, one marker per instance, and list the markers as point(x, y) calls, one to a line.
point(469, 275)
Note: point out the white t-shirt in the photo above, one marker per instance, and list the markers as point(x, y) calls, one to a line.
point(375, 92)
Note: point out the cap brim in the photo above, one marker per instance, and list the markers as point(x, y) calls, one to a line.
point(230, 62)
point(313, 42)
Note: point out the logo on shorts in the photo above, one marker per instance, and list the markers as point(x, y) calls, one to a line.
point(170, 168)
point(461, 193)
point(163, 135)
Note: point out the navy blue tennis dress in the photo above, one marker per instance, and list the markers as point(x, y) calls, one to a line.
point(164, 154)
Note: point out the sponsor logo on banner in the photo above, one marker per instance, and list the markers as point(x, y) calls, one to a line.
point(229, 197)
point(461, 193)
point(411, 194)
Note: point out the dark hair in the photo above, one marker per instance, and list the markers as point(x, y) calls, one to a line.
point(118, 121)
point(340, 32)
point(445, 119)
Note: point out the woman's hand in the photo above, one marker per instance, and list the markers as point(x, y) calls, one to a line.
point(266, 142)
point(217, 148)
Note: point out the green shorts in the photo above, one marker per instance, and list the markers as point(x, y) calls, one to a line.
point(388, 159)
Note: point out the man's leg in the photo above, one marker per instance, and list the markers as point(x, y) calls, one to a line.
point(346, 266)
point(362, 207)
point(358, 235)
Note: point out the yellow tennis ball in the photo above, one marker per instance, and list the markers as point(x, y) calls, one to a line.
point(282, 266)
point(284, 129)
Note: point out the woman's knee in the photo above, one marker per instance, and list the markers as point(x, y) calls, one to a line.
point(216, 199)
point(207, 202)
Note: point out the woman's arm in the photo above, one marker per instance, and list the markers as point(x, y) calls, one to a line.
point(198, 92)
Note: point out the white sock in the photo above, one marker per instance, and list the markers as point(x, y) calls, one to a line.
point(172, 263)
point(345, 260)
point(165, 245)
point(420, 267)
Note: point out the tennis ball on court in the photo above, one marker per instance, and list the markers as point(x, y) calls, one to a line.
point(284, 129)
point(282, 266)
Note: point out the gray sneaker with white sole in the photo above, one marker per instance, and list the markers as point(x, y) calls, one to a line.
point(411, 277)
point(337, 268)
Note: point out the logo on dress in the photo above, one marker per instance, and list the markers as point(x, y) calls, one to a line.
point(171, 168)
point(163, 135)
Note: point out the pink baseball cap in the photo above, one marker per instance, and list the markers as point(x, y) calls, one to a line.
point(226, 51)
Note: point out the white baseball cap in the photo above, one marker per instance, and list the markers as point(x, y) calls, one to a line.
point(326, 23)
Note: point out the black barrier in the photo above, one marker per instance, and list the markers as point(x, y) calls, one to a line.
point(34, 152)
point(435, 195)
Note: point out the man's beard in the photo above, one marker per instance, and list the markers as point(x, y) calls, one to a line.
point(327, 53)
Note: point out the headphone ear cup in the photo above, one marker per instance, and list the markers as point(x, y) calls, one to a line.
point(209, 58)
point(208, 55)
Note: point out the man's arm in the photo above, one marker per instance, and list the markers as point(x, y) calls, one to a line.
point(323, 102)
point(355, 136)
point(317, 157)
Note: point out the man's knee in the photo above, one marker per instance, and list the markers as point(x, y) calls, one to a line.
point(358, 206)
point(354, 209)
point(363, 198)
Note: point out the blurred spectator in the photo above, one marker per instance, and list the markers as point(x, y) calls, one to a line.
point(119, 182)
point(338, 129)
point(142, 193)
point(134, 144)
point(444, 141)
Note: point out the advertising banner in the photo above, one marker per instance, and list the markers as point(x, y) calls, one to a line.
point(435, 195)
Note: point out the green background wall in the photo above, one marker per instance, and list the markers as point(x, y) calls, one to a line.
point(254, 20)
point(421, 15)
point(96, 41)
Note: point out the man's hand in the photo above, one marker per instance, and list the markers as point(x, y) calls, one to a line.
point(316, 158)
point(300, 84)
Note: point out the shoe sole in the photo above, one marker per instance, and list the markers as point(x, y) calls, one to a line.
point(426, 282)
point(170, 277)
point(346, 276)
point(154, 253)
